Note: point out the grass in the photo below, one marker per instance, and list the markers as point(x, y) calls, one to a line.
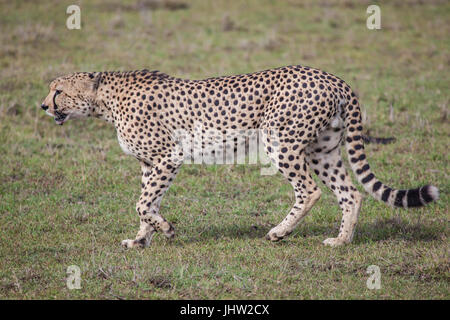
point(67, 194)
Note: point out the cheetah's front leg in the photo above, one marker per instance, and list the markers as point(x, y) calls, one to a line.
point(155, 182)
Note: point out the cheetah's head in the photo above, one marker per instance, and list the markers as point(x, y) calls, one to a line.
point(72, 96)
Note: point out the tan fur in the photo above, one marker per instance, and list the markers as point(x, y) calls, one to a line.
point(311, 110)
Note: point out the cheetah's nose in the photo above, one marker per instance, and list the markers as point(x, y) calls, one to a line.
point(43, 106)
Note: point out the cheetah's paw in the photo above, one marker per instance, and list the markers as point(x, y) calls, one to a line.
point(170, 232)
point(334, 242)
point(277, 234)
point(142, 243)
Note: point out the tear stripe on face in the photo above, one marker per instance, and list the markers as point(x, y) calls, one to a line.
point(54, 97)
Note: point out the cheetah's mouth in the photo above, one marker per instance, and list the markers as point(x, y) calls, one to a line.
point(60, 117)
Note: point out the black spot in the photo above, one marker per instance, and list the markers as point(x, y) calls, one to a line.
point(376, 186)
point(385, 195)
point(368, 178)
point(424, 192)
point(413, 198)
point(363, 169)
point(399, 198)
point(141, 241)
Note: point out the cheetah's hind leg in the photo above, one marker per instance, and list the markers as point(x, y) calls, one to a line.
point(324, 157)
point(290, 161)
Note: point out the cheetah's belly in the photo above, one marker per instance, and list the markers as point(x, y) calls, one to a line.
point(124, 146)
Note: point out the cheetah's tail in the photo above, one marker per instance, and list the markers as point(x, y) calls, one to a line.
point(355, 148)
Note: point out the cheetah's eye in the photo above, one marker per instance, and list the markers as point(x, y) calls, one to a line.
point(57, 92)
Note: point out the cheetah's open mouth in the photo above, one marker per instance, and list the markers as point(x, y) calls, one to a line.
point(60, 117)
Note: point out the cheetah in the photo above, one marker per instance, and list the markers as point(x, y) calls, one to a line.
point(312, 111)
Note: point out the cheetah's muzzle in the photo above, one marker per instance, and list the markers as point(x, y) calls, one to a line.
point(60, 117)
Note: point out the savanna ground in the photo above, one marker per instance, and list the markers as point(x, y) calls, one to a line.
point(67, 194)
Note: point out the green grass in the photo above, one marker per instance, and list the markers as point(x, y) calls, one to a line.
point(67, 194)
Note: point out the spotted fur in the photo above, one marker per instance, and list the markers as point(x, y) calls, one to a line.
point(312, 110)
